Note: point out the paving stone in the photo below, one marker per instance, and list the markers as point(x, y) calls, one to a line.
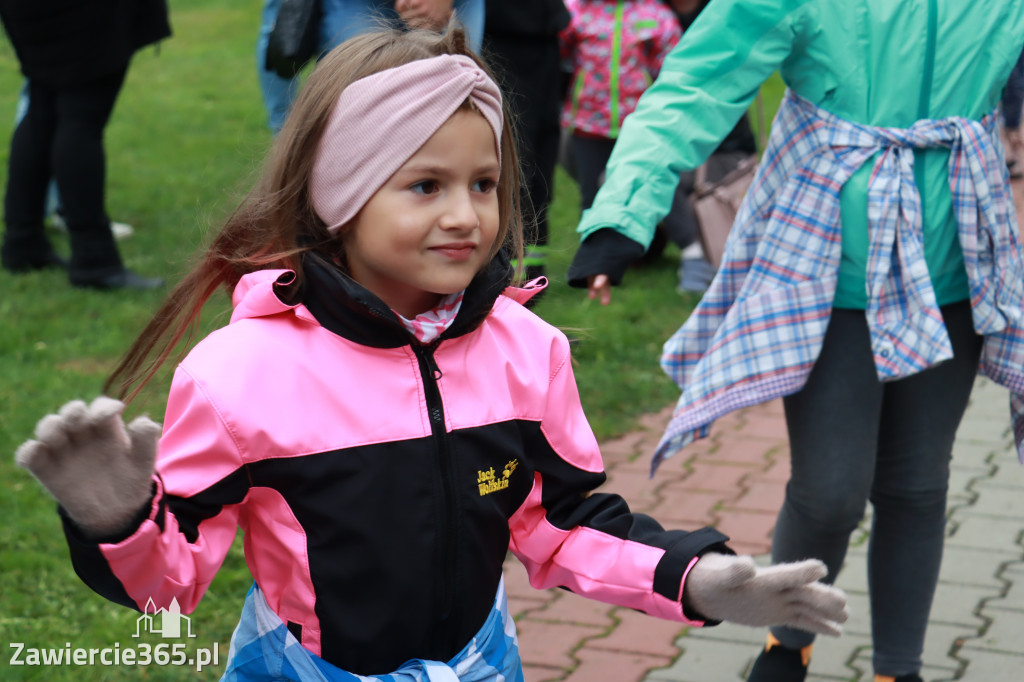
point(747, 527)
point(519, 607)
point(765, 426)
point(929, 671)
point(709, 660)
point(955, 604)
point(713, 476)
point(572, 608)
point(988, 666)
point(984, 430)
point(552, 644)
point(597, 664)
point(961, 477)
point(739, 449)
point(993, 500)
point(984, 532)
point(679, 503)
point(541, 673)
point(969, 566)
point(639, 633)
point(1007, 472)
point(620, 450)
point(1003, 635)
point(760, 495)
point(778, 469)
point(836, 658)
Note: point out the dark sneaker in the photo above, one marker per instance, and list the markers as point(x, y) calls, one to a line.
point(779, 664)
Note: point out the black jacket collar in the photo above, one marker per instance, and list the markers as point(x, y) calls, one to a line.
point(343, 306)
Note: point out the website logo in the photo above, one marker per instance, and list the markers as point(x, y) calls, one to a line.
point(163, 622)
point(168, 623)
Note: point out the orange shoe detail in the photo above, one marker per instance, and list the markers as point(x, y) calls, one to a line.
point(805, 653)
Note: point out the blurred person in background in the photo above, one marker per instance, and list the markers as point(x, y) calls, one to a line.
point(521, 43)
point(343, 19)
point(874, 266)
point(75, 55)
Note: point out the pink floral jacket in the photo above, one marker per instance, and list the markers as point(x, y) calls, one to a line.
point(616, 48)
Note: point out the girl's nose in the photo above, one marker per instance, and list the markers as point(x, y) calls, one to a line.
point(460, 212)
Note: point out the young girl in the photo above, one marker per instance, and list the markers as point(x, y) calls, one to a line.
point(381, 417)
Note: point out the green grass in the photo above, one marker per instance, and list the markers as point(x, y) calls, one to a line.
point(185, 139)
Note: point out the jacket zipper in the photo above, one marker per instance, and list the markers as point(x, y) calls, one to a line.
point(448, 529)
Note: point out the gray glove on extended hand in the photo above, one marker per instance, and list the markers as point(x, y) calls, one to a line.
point(735, 589)
point(100, 472)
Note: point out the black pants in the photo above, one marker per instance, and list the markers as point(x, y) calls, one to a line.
point(854, 439)
point(61, 137)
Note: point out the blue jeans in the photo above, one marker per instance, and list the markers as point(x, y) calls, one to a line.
point(341, 20)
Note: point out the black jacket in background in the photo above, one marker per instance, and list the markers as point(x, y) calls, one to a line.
point(66, 42)
point(525, 18)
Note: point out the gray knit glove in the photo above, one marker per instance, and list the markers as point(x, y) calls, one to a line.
point(735, 589)
point(99, 471)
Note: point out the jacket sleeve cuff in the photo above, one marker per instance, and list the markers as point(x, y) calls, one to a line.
point(606, 252)
point(76, 535)
point(671, 571)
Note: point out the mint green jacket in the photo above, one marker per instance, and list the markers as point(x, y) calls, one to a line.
point(876, 62)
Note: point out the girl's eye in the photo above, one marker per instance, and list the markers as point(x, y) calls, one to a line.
point(425, 187)
point(484, 185)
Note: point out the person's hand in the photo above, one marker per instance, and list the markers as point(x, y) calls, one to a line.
point(599, 286)
point(431, 14)
point(99, 471)
point(735, 589)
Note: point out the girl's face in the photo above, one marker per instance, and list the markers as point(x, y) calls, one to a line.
point(431, 227)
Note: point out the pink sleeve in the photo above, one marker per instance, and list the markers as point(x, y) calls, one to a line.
point(177, 550)
point(568, 536)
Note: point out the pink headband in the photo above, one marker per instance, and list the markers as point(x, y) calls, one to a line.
point(380, 121)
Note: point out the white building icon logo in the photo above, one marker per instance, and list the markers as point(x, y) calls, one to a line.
point(165, 622)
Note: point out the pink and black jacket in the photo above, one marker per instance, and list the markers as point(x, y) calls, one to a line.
point(381, 482)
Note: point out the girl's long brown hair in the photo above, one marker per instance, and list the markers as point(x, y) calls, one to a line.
point(266, 229)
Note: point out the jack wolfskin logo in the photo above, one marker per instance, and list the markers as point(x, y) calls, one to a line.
point(489, 483)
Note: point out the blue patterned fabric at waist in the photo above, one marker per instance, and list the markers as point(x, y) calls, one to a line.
point(264, 650)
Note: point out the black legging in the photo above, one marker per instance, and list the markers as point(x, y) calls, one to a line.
point(853, 438)
point(61, 136)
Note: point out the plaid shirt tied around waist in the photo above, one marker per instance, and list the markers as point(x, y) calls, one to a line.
point(759, 328)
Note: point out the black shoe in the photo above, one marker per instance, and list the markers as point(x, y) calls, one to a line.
point(913, 677)
point(125, 279)
point(40, 262)
point(779, 664)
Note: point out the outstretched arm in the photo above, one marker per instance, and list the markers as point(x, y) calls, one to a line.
point(568, 535)
point(705, 84)
point(135, 532)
